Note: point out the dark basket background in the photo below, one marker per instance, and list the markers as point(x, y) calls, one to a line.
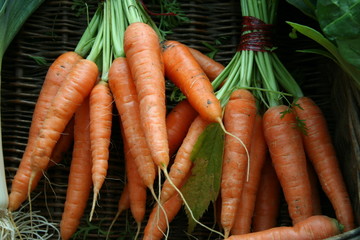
point(55, 27)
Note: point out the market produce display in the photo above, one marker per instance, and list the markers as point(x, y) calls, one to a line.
point(195, 134)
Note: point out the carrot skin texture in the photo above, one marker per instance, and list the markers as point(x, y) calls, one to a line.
point(75, 89)
point(268, 197)
point(64, 143)
point(178, 122)
point(182, 163)
point(125, 96)
point(143, 53)
point(258, 153)
point(136, 187)
point(289, 160)
point(171, 207)
point(156, 224)
point(100, 131)
point(184, 71)
point(321, 152)
point(239, 119)
point(124, 200)
point(315, 189)
point(211, 67)
point(80, 182)
point(313, 228)
point(53, 79)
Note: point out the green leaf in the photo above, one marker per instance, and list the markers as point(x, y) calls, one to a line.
point(352, 70)
point(340, 22)
point(39, 60)
point(203, 185)
point(334, 15)
point(319, 52)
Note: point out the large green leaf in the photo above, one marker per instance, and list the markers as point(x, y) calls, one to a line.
point(340, 22)
point(203, 185)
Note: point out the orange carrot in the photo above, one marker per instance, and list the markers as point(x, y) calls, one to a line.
point(79, 183)
point(246, 207)
point(178, 122)
point(63, 145)
point(313, 228)
point(182, 163)
point(210, 67)
point(268, 196)
point(143, 53)
point(124, 201)
point(123, 204)
point(136, 188)
point(75, 88)
point(158, 221)
point(239, 120)
point(125, 96)
point(315, 189)
point(321, 152)
point(100, 133)
point(288, 156)
point(53, 79)
point(184, 71)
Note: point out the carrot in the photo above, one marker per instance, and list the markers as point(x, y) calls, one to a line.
point(100, 133)
point(143, 53)
point(321, 152)
point(313, 228)
point(137, 188)
point(184, 71)
point(123, 204)
point(315, 189)
point(53, 79)
point(79, 183)
point(75, 88)
point(63, 145)
point(178, 122)
point(158, 221)
point(210, 67)
point(268, 197)
point(182, 162)
point(125, 96)
point(245, 210)
point(287, 153)
point(239, 120)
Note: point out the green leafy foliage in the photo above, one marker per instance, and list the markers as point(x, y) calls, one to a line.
point(333, 16)
point(203, 185)
point(334, 53)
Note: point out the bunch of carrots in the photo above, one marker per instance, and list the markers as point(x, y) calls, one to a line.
point(273, 134)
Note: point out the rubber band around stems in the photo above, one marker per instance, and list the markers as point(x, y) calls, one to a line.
point(255, 35)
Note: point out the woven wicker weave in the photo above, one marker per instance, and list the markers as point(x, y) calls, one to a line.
point(55, 28)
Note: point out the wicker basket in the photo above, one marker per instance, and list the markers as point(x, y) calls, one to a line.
point(55, 28)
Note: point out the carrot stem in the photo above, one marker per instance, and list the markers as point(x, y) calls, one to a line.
point(87, 39)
